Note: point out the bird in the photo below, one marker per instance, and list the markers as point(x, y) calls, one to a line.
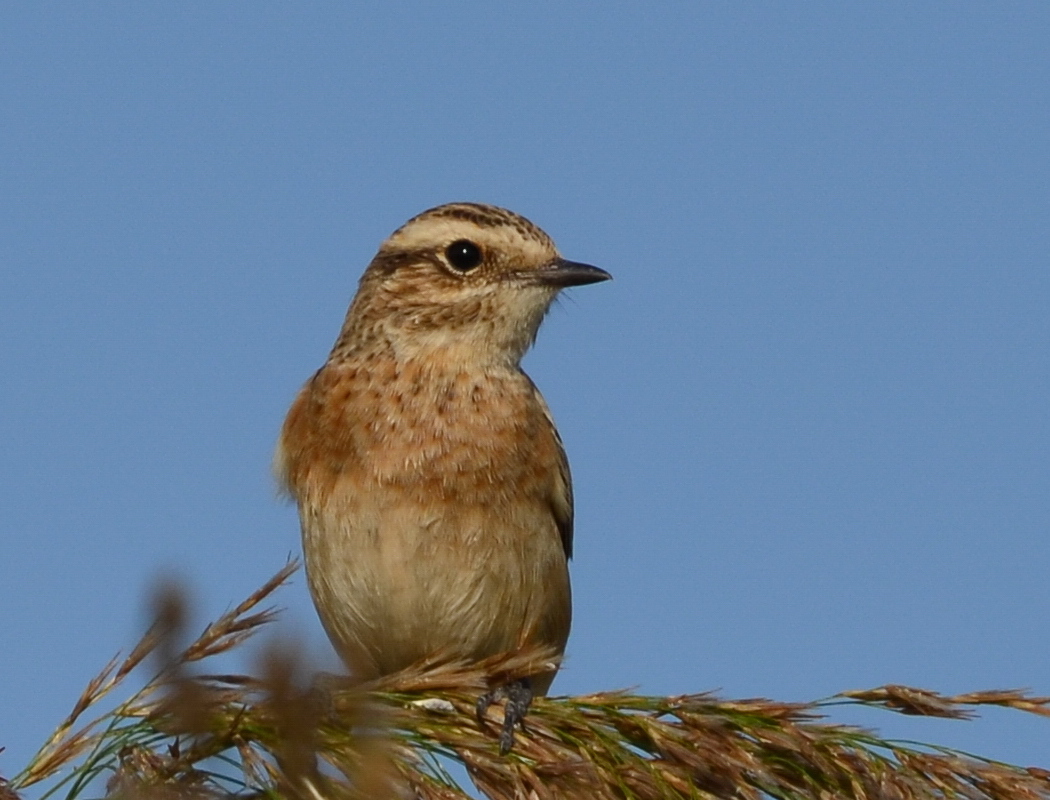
point(433, 489)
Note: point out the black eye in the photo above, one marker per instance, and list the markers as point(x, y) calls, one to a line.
point(463, 254)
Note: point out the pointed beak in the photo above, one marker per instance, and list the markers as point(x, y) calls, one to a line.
point(570, 273)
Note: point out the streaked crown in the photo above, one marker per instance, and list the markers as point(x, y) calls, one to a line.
point(463, 275)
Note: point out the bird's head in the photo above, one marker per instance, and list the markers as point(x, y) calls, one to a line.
point(461, 281)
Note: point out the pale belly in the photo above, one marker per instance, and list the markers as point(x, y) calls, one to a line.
point(395, 583)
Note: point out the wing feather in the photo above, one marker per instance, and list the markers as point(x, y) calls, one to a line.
point(561, 489)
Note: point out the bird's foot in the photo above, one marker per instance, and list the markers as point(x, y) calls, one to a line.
point(518, 695)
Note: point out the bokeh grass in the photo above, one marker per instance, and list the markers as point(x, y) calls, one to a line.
point(286, 732)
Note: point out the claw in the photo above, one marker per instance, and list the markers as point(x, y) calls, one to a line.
point(519, 697)
point(487, 700)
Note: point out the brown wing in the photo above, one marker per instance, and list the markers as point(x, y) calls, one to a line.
point(561, 490)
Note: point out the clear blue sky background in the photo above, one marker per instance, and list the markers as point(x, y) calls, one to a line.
point(808, 421)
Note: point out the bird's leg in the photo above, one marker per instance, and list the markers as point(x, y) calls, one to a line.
point(519, 697)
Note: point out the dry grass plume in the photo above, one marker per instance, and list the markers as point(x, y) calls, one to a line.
point(285, 733)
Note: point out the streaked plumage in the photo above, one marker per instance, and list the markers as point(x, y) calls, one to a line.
point(433, 489)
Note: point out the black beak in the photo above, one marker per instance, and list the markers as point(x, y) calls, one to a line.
point(570, 273)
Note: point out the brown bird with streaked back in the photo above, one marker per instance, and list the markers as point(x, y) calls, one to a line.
point(433, 489)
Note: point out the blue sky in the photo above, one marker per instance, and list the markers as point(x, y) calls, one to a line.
point(807, 421)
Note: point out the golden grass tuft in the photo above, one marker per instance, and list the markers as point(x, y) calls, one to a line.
point(287, 733)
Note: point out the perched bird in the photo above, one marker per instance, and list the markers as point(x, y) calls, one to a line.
point(433, 490)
